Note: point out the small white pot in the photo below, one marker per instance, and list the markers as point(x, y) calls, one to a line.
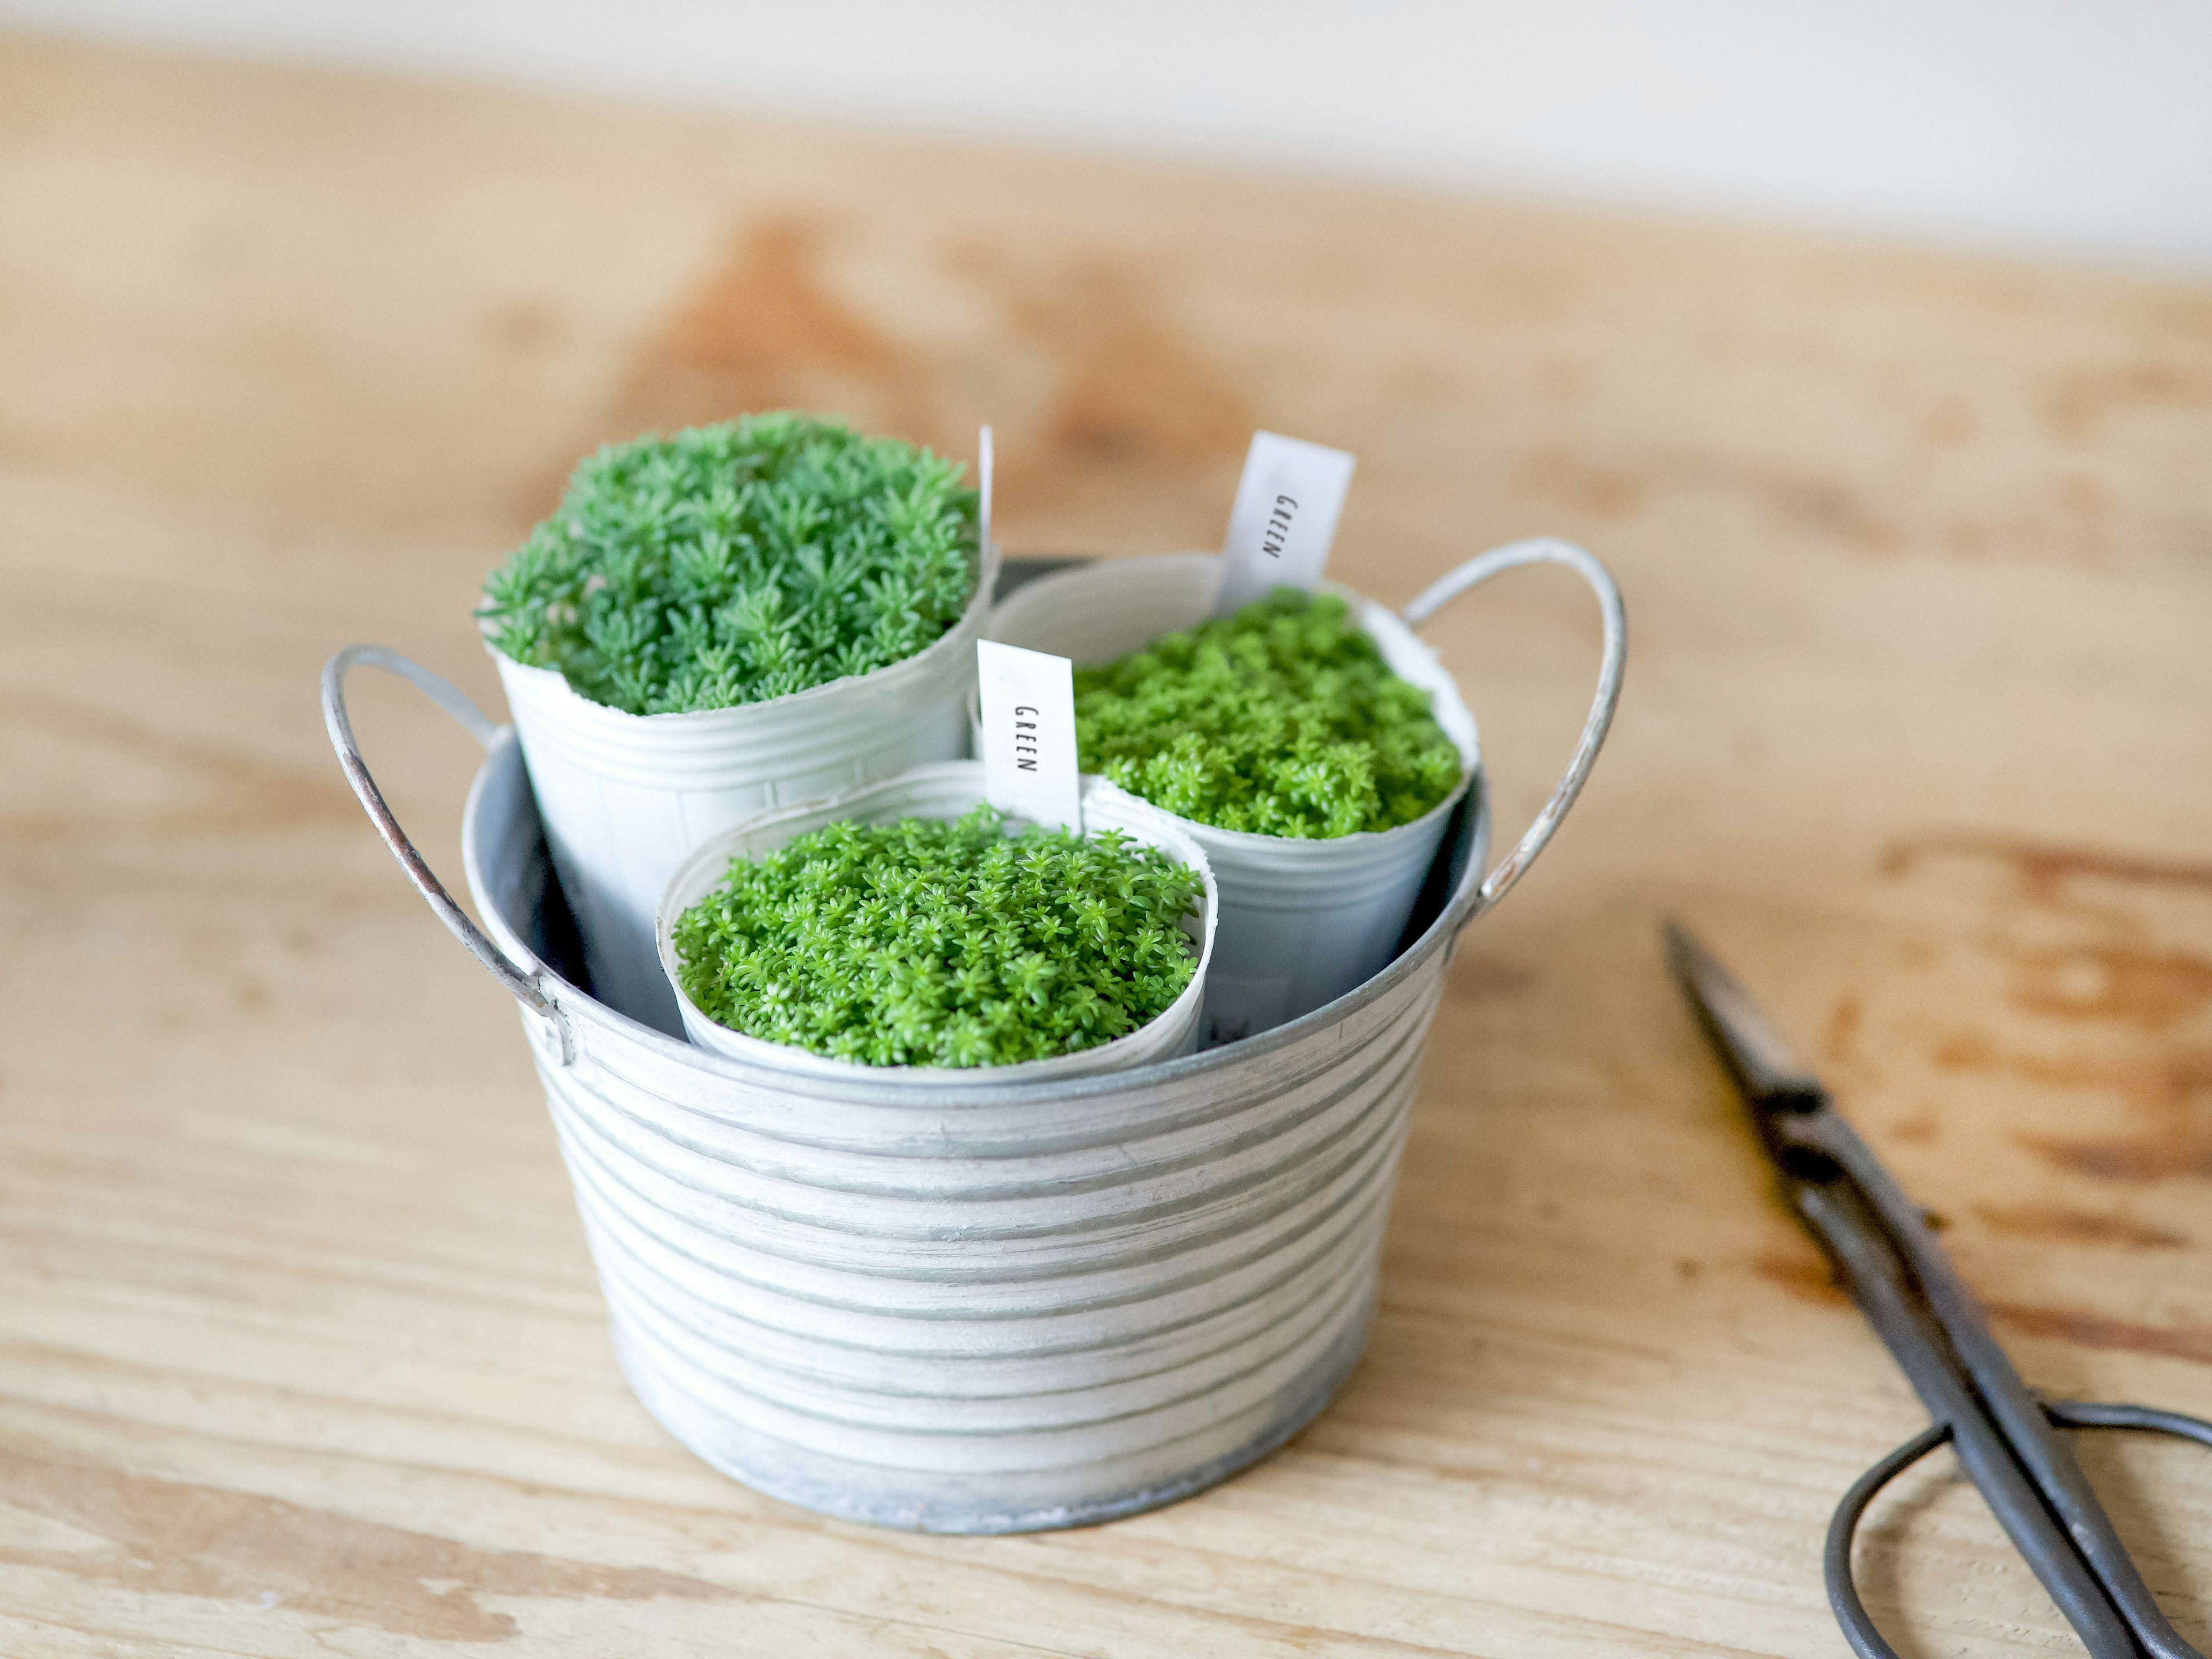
point(624, 796)
point(1302, 921)
point(944, 791)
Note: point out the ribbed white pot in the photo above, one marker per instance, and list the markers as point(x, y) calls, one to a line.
point(624, 797)
point(1302, 921)
point(941, 792)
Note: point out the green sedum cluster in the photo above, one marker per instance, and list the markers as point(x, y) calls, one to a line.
point(734, 563)
point(934, 942)
point(1282, 719)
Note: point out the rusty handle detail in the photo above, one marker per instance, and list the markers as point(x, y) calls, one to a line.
point(1543, 549)
point(448, 696)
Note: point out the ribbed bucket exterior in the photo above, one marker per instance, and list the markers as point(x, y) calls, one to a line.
point(1302, 921)
point(988, 1308)
point(624, 797)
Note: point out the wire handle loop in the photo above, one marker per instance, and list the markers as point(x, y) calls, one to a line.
point(448, 696)
point(1544, 550)
point(1843, 1527)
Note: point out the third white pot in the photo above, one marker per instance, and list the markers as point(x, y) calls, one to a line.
point(1302, 921)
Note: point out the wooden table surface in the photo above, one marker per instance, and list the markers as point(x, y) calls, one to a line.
point(301, 1353)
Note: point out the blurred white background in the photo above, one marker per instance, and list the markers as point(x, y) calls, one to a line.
point(2078, 128)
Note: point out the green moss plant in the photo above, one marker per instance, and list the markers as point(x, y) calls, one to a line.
point(1282, 719)
point(734, 563)
point(941, 943)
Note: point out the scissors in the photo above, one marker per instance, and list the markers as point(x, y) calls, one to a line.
point(1885, 1253)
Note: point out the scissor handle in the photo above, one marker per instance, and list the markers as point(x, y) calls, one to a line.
point(1544, 550)
point(1842, 1527)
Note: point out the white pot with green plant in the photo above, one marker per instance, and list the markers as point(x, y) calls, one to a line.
point(727, 620)
point(1310, 743)
point(908, 932)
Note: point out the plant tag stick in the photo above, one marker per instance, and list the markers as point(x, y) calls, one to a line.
point(1029, 734)
point(1285, 519)
point(983, 489)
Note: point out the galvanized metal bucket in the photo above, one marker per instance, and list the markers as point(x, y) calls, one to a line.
point(998, 1307)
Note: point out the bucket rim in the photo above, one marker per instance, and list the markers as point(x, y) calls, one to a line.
point(548, 1018)
point(568, 1001)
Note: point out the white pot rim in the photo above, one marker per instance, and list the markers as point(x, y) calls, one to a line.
point(1139, 819)
point(1359, 841)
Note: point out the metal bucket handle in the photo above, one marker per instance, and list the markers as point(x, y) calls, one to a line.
point(449, 697)
point(1543, 549)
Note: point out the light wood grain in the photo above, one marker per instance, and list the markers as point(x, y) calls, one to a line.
point(300, 1349)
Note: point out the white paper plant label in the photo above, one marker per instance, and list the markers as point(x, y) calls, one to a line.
point(1029, 734)
point(1285, 519)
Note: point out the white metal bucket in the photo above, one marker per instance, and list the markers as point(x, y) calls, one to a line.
point(1302, 921)
point(624, 797)
point(944, 791)
point(1037, 1305)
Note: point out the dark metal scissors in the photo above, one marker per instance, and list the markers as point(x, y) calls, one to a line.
point(1884, 1252)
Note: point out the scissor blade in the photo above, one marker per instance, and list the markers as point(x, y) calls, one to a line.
point(1764, 1069)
